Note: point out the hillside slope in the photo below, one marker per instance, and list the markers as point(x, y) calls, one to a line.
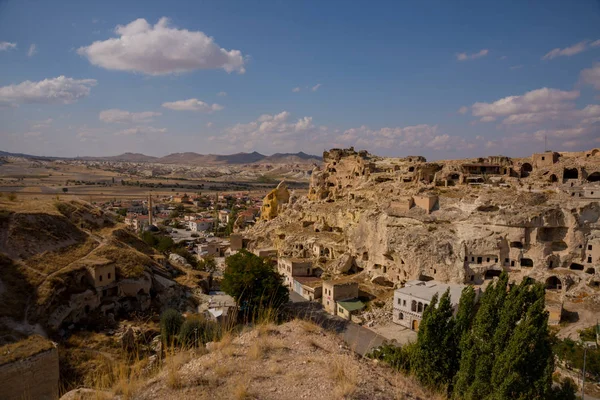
point(290, 361)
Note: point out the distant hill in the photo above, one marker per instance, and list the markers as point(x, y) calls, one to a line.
point(192, 158)
point(132, 157)
point(238, 158)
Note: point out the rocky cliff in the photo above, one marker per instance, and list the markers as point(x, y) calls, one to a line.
point(463, 221)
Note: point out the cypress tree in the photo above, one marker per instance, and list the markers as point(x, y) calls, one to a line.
point(523, 370)
point(462, 325)
point(432, 361)
point(477, 349)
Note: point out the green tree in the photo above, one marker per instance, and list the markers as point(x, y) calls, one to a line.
point(253, 283)
point(524, 368)
point(432, 359)
point(165, 243)
point(207, 264)
point(170, 323)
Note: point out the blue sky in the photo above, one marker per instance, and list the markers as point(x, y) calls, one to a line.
point(437, 78)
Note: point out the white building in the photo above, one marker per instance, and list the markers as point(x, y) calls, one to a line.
point(201, 225)
point(411, 300)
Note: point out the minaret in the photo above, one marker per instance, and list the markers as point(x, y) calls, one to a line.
point(150, 209)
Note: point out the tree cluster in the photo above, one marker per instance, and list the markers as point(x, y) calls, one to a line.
point(254, 284)
point(499, 349)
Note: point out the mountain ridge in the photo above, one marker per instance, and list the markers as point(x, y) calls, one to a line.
point(193, 158)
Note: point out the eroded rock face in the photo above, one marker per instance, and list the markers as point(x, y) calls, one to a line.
point(274, 202)
point(462, 221)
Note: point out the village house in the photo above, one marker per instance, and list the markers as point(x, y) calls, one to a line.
point(309, 287)
point(293, 267)
point(201, 225)
point(224, 216)
point(411, 301)
point(335, 292)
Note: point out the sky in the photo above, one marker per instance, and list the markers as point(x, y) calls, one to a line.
point(442, 79)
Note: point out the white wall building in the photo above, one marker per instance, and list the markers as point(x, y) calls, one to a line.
point(411, 300)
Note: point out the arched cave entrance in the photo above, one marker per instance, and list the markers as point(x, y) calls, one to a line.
point(553, 283)
point(590, 271)
point(553, 178)
point(576, 267)
point(570, 173)
point(526, 170)
point(526, 262)
point(595, 177)
point(491, 273)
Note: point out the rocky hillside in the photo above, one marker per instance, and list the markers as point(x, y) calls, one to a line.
point(67, 262)
point(296, 360)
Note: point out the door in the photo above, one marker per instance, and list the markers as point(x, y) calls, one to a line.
point(415, 325)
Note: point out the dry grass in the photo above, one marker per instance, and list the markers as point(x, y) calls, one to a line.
point(25, 348)
point(130, 263)
point(49, 262)
point(241, 389)
point(309, 327)
point(29, 205)
point(344, 376)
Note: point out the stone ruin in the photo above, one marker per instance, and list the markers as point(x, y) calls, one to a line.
point(461, 221)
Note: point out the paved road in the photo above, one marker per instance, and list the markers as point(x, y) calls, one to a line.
point(358, 338)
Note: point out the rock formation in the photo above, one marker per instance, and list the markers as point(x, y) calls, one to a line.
point(462, 221)
point(274, 202)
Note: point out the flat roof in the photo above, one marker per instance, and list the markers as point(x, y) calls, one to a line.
point(296, 260)
point(351, 305)
point(426, 290)
point(310, 281)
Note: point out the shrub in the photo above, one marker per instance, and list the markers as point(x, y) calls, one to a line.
point(196, 331)
point(170, 324)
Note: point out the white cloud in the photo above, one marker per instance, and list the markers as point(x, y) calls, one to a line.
point(7, 46)
point(535, 101)
point(42, 124)
point(61, 90)
point(296, 89)
point(140, 130)
point(465, 56)
point(316, 87)
point(209, 124)
point(280, 132)
point(569, 51)
point(32, 50)
point(595, 43)
point(540, 114)
point(161, 49)
point(222, 94)
point(591, 76)
point(193, 105)
point(121, 116)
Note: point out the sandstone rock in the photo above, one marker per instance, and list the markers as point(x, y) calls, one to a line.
point(176, 258)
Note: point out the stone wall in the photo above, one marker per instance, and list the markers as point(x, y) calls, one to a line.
point(34, 377)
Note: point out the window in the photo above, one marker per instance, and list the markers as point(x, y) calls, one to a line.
point(472, 278)
point(413, 306)
point(399, 301)
point(506, 260)
point(420, 307)
point(589, 259)
point(109, 275)
point(487, 260)
point(589, 246)
point(401, 316)
point(543, 158)
point(404, 303)
point(100, 278)
point(340, 310)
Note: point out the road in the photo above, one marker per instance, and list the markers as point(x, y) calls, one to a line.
point(358, 338)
